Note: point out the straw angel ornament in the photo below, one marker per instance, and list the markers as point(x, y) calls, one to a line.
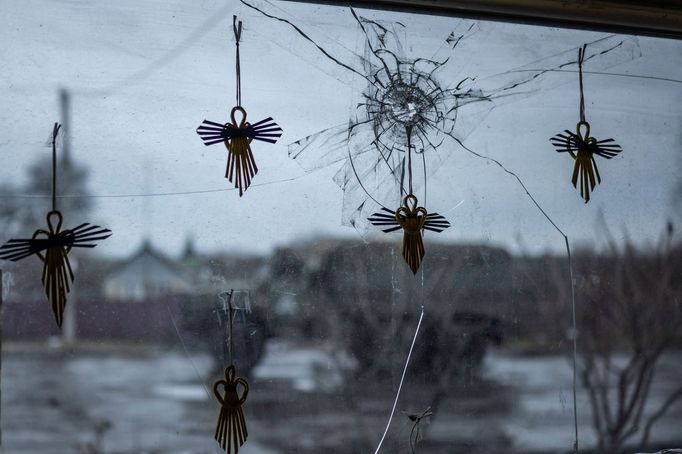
point(238, 133)
point(230, 392)
point(583, 148)
point(52, 246)
point(411, 218)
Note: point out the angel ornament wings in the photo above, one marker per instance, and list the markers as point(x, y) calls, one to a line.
point(412, 219)
point(52, 246)
point(238, 134)
point(582, 147)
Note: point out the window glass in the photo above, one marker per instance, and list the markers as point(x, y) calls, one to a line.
point(325, 308)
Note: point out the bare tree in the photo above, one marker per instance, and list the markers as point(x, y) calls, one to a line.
point(630, 313)
point(371, 304)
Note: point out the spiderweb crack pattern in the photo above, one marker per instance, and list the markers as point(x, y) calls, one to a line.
point(401, 91)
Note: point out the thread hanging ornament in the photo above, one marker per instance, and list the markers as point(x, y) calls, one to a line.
point(52, 246)
point(230, 431)
point(582, 147)
point(237, 134)
point(411, 218)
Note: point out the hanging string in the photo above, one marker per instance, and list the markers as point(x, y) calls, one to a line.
point(226, 299)
point(424, 168)
point(55, 132)
point(408, 131)
point(231, 319)
point(581, 57)
point(237, 28)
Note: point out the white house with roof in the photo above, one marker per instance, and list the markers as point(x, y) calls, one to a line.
point(148, 274)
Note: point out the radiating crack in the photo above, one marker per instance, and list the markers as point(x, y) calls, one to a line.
point(404, 92)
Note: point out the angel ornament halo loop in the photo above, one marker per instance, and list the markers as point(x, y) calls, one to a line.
point(52, 246)
point(238, 135)
point(582, 147)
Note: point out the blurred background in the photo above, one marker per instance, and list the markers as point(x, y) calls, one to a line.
point(325, 312)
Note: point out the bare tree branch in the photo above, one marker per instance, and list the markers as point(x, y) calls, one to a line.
point(658, 413)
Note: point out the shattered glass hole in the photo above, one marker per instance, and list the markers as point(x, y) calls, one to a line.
point(411, 98)
point(407, 104)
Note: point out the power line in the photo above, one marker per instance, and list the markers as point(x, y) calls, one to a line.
point(602, 73)
point(153, 194)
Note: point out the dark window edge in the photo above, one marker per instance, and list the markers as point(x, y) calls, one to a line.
point(658, 18)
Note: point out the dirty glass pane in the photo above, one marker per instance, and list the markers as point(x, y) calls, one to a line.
point(319, 304)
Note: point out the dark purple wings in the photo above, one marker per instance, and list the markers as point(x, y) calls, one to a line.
point(570, 142)
point(265, 130)
point(85, 235)
point(386, 218)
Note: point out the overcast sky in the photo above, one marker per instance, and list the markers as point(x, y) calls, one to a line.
point(134, 124)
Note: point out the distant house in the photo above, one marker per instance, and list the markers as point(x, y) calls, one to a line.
point(219, 272)
point(148, 274)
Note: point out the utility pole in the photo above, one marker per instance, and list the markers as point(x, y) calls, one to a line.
point(71, 313)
